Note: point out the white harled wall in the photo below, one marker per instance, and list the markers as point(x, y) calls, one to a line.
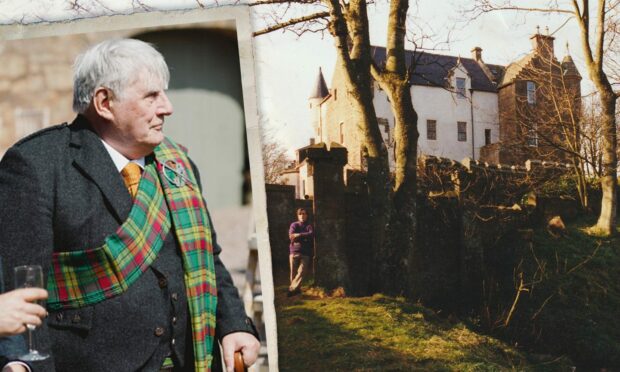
point(447, 108)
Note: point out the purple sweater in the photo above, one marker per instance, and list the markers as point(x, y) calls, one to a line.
point(304, 243)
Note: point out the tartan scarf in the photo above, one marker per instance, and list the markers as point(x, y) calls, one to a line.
point(168, 195)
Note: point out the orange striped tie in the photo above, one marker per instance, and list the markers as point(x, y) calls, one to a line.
point(131, 175)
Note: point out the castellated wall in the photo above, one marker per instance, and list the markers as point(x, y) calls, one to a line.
point(469, 229)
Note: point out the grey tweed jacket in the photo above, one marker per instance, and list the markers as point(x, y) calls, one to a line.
point(60, 191)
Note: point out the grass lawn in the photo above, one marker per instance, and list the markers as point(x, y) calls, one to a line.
point(387, 334)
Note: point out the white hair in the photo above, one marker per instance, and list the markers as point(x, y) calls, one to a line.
point(115, 64)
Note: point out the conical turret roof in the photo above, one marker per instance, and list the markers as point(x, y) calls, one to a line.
point(569, 68)
point(320, 87)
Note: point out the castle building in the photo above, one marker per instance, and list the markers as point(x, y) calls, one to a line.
point(466, 107)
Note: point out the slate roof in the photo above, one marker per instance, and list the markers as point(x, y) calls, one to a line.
point(319, 89)
point(433, 69)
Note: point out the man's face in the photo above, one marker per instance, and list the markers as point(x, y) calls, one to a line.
point(302, 216)
point(139, 115)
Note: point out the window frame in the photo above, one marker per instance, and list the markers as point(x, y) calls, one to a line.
point(530, 89)
point(532, 136)
point(487, 137)
point(461, 92)
point(462, 138)
point(428, 131)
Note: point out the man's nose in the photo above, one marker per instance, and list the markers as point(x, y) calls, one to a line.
point(165, 106)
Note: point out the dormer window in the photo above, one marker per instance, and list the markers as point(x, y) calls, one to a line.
point(531, 92)
point(460, 87)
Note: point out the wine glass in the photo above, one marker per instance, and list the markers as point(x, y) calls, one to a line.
point(25, 277)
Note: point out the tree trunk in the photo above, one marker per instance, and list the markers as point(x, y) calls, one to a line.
point(607, 219)
point(396, 271)
point(350, 31)
point(594, 57)
point(403, 230)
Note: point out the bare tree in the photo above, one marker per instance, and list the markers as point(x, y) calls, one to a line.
point(596, 34)
point(275, 158)
point(591, 143)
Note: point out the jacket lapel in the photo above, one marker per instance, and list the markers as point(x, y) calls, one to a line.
point(93, 160)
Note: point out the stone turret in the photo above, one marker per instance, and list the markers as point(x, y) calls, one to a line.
point(317, 95)
point(568, 66)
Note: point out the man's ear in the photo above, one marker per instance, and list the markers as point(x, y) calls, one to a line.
point(102, 101)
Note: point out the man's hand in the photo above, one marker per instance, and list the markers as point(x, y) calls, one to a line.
point(244, 342)
point(16, 310)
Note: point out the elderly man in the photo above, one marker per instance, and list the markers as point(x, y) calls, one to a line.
point(113, 211)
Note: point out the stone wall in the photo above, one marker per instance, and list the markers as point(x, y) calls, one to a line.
point(470, 234)
point(281, 208)
point(486, 183)
point(357, 233)
point(36, 85)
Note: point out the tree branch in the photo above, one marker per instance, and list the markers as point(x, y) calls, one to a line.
point(273, 2)
point(290, 22)
point(486, 6)
point(600, 35)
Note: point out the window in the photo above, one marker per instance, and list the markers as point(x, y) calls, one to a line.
point(384, 126)
point(487, 136)
point(462, 131)
point(531, 92)
point(431, 129)
point(364, 159)
point(341, 128)
point(30, 120)
point(460, 87)
point(532, 136)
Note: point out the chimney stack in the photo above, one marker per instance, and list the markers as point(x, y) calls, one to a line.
point(543, 44)
point(476, 54)
point(311, 141)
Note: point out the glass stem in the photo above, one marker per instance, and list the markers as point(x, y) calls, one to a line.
point(30, 341)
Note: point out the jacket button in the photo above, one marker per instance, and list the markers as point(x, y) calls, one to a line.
point(174, 320)
point(76, 318)
point(172, 342)
point(159, 331)
point(163, 282)
point(174, 296)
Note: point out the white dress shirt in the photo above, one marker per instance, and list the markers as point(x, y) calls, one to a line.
point(119, 159)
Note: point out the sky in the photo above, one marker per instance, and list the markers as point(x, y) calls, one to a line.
point(287, 65)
